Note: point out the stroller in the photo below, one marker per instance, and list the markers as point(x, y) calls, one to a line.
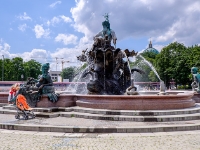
point(23, 108)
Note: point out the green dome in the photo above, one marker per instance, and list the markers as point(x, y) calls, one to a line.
point(151, 49)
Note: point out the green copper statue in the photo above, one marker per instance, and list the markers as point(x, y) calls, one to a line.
point(34, 89)
point(107, 33)
point(45, 84)
point(45, 79)
point(196, 77)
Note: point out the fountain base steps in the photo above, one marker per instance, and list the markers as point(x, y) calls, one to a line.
point(100, 130)
point(186, 114)
point(85, 120)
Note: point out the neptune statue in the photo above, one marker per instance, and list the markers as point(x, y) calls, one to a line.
point(107, 33)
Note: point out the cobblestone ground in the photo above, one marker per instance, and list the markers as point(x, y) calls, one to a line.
point(26, 140)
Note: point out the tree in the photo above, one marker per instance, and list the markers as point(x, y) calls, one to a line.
point(193, 55)
point(17, 68)
point(171, 63)
point(14, 68)
point(32, 69)
point(8, 74)
point(147, 65)
point(68, 73)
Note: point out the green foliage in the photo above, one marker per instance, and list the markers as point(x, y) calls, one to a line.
point(68, 73)
point(153, 77)
point(32, 69)
point(83, 66)
point(183, 87)
point(172, 63)
point(16, 67)
point(149, 75)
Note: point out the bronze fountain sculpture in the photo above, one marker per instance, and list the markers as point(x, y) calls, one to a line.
point(34, 89)
point(108, 66)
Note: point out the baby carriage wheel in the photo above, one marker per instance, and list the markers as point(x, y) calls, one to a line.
point(25, 117)
point(17, 116)
point(33, 116)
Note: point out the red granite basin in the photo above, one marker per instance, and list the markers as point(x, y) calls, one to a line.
point(136, 102)
point(149, 101)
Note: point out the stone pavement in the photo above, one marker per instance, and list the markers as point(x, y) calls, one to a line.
point(14, 139)
point(29, 140)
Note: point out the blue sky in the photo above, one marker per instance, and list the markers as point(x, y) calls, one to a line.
point(46, 29)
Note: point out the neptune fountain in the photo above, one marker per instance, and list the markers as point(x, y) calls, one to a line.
point(108, 66)
point(110, 84)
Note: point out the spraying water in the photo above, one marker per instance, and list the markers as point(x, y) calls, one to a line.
point(151, 66)
point(78, 78)
point(127, 60)
point(162, 85)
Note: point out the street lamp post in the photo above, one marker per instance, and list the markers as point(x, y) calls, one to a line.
point(2, 67)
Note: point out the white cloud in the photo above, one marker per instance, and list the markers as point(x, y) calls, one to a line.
point(165, 21)
point(4, 46)
point(168, 35)
point(158, 47)
point(54, 4)
point(69, 56)
point(41, 32)
point(82, 24)
point(4, 49)
point(66, 39)
point(193, 7)
point(66, 19)
point(48, 23)
point(24, 17)
point(22, 27)
point(55, 20)
point(43, 56)
point(40, 55)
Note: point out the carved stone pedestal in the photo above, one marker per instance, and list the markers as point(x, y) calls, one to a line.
point(65, 100)
point(196, 97)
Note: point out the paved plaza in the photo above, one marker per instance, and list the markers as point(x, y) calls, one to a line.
point(17, 137)
point(29, 140)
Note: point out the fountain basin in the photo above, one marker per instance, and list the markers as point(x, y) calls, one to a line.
point(196, 97)
point(4, 97)
point(145, 101)
point(136, 102)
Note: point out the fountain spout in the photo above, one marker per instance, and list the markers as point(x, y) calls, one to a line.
point(132, 90)
point(162, 89)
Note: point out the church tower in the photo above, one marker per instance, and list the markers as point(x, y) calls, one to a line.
point(150, 44)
